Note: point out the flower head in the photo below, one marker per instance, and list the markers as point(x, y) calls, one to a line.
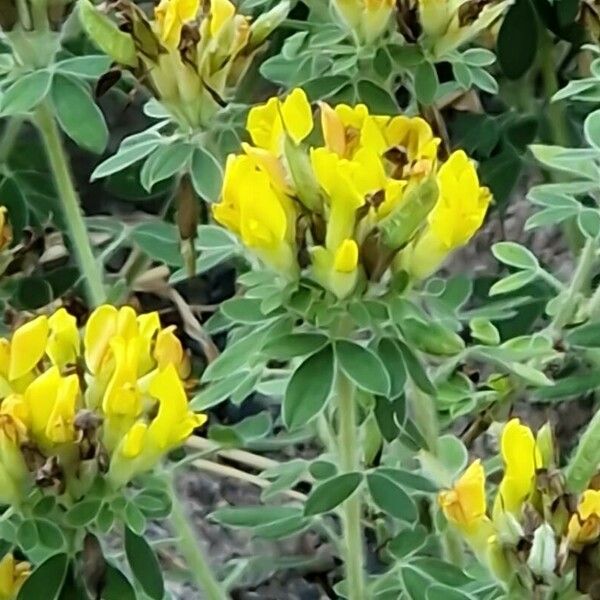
point(372, 198)
point(125, 369)
point(584, 525)
point(368, 19)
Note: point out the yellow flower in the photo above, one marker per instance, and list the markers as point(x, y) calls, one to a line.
point(457, 215)
point(106, 322)
point(171, 16)
point(584, 526)
point(268, 122)
point(337, 271)
point(443, 28)
point(13, 470)
point(63, 341)
point(27, 347)
point(367, 18)
point(263, 217)
point(5, 229)
point(144, 443)
point(13, 574)
point(464, 505)
point(221, 12)
point(521, 459)
point(52, 403)
point(168, 350)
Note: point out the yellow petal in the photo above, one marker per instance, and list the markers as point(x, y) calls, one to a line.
point(297, 115)
point(270, 164)
point(40, 396)
point(462, 204)
point(134, 440)
point(100, 328)
point(168, 350)
point(265, 126)
point(346, 257)
point(16, 406)
point(521, 459)
point(334, 133)
point(174, 421)
point(465, 505)
point(59, 428)
point(27, 347)
point(221, 12)
point(63, 343)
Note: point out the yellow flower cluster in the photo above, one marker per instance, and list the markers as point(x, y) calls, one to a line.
point(519, 496)
point(73, 406)
point(13, 574)
point(373, 198)
point(449, 24)
point(193, 54)
point(366, 18)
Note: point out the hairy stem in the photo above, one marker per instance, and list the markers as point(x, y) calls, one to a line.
point(580, 279)
point(80, 241)
point(194, 557)
point(349, 455)
point(9, 137)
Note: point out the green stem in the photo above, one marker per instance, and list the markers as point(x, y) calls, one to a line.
point(9, 137)
point(80, 242)
point(556, 113)
point(349, 454)
point(584, 463)
point(192, 553)
point(580, 280)
point(594, 305)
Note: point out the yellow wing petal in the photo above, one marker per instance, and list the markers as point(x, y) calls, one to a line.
point(27, 347)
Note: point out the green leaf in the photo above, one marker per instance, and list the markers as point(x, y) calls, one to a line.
point(363, 367)
point(27, 535)
point(588, 221)
point(217, 392)
point(478, 57)
point(46, 580)
point(159, 240)
point(135, 518)
point(331, 493)
point(78, 115)
point(144, 565)
point(408, 542)
point(515, 255)
point(439, 591)
point(517, 45)
point(378, 99)
point(591, 129)
point(309, 389)
point(125, 156)
point(390, 497)
point(571, 386)
point(207, 175)
point(243, 310)
point(408, 479)
point(426, 83)
point(484, 330)
point(291, 345)
point(391, 357)
point(253, 516)
point(322, 469)
point(164, 162)
point(26, 93)
point(432, 337)
point(83, 512)
point(441, 571)
point(585, 336)
point(415, 369)
point(117, 587)
point(91, 66)
point(49, 534)
point(415, 583)
point(512, 282)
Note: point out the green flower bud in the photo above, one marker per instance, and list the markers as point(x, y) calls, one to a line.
point(402, 224)
point(105, 33)
point(542, 557)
